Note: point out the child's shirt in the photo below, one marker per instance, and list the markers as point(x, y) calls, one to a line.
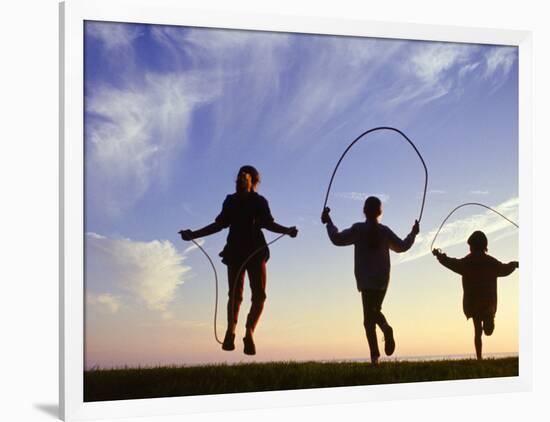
point(479, 281)
point(245, 215)
point(372, 264)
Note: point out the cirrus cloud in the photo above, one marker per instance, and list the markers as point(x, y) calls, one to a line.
point(133, 133)
point(361, 196)
point(113, 35)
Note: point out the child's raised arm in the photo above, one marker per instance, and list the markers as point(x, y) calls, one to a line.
point(221, 222)
point(506, 269)
point(452, 264)
point(398, 245)
point(205, 231)
point(343, 238)
point(274, 227)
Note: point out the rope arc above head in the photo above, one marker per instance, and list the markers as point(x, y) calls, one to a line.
point(464, 205)
point(366, 133)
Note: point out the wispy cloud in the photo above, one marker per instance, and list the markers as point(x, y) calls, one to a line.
point(335, 76)
point(498, 64)
point(320, 77)
point(433, 60)
point(500, 60)
point(467, 69)
point(133, 132)
point(457, 231)
point(361, 196)
point(247, 66)
point(218, 44)
point(431, 72)
point(479, 192)
point(435, 70)
point(114, 36)
point(104, 301)
point(123, 270)
point(200, 242)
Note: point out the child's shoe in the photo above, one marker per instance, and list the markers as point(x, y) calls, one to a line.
point(229, 341)
point(488, 326)
point(249, 346)
point(389, 341)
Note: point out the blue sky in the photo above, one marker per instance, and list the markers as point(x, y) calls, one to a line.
point(171, 113)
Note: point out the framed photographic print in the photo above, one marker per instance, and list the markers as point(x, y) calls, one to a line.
point(294, 209)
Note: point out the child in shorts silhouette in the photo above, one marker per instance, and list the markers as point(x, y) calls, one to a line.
point(245, 213)
point(479, 272)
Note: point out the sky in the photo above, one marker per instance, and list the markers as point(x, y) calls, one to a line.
point(172, 113)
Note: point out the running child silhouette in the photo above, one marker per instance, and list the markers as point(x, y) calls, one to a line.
point(479, 272)
point(372, 242)
point(246, 213)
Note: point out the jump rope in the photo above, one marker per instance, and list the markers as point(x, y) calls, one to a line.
point(464, 205)
point(234, 284)
point(405, 137)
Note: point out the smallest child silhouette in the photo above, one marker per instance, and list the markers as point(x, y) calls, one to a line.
point(479, 272)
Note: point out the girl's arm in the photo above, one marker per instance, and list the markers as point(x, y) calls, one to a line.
point(205, 231)
point(268, 222)
point(398, 245)
point(221, 222)
point(274, 227)
point(343, 238)
point(452, 264)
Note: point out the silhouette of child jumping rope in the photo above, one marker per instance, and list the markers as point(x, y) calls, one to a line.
point(372, 242)
point(479, 272)
point(246, 213)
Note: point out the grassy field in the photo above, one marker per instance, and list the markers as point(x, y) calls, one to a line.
point(138, 383)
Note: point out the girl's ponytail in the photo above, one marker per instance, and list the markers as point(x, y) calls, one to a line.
point(373, 210)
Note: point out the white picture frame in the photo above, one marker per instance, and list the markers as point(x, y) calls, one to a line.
point(73, 14)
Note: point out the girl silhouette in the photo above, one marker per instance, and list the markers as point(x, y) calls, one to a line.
point(245, 213)
point(372, 242)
